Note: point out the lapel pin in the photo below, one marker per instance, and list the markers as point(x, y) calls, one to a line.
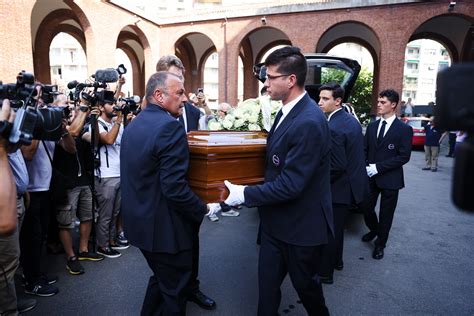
point(276, 160)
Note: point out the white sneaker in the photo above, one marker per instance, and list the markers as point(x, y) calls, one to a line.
point(230, 213)
point(213, 218)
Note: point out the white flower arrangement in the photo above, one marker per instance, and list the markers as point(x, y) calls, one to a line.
point(250, 115)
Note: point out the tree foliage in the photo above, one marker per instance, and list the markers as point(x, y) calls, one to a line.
point(361, 94)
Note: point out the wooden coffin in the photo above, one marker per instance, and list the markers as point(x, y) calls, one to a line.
point(216, 156)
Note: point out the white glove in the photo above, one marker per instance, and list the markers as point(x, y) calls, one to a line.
point(371, 170)
point(236, 194)
point(213, 208)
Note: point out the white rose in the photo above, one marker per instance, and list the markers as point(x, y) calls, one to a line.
point(230, 117)
point(246, 116)
point(254, 127)
point(255, 108)
point(238, 123)
point(238, 113)
point(227, 124)
point(253, 118)
point(214, 126)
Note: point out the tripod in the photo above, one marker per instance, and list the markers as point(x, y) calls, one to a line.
point(93, 125)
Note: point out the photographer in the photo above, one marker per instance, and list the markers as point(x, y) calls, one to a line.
point(8, 219)
point(107, 176)
point(9, 245)
point(38, 156)
point(76, 197)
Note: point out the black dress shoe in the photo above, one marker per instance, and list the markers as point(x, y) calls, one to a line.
point(339, 266)
point(202, 300)
point(369, 236)
point(25, 304)
point(378, 253)
point(326, 279)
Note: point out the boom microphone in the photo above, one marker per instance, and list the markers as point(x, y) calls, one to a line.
point(106, 75)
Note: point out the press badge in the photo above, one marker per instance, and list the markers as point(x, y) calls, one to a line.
point(276, 160)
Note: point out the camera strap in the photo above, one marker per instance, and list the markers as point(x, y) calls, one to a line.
point(100, 145)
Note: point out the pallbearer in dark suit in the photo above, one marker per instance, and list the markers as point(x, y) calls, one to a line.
point(295, 200)
point(188, 116)
point(387, 149)
point(159, 209)
point(349, 183)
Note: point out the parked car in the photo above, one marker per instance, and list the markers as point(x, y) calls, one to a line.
point(418, 125)
point(323, 68)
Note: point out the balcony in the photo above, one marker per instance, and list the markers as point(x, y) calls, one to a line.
point(410, 86)
point(411, 72)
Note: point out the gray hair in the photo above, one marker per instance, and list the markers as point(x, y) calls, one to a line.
point(158, 81)
point(167, 61)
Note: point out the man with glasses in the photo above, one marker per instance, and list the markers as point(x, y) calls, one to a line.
point(295, 200)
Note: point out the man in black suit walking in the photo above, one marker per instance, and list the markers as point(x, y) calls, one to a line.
point(159, 209)
point(295, 200)
point(349, 185)
point(188, 115)
point(387, 149)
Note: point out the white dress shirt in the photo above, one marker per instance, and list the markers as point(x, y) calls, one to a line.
point(287, 108)
point(389, 123)
point(332, 113)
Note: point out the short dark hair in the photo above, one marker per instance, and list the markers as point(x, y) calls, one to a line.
point(289, 60)
point(391, 95)
point(335, 88)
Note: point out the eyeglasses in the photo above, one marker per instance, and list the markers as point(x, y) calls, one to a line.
point(270, 77)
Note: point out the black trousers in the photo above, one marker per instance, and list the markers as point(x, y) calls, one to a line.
point(33, 234)
point(193, 285)
point(388, 203)
point(452, 143)
point(166, 291)
point(278, 258)
point(332, 253)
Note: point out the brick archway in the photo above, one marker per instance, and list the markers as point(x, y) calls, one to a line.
point(366, 45)
point(251, 51)
point(133, 55)
point(52, 25)
point(193, 49)
point(184, 51)
point(367, 39)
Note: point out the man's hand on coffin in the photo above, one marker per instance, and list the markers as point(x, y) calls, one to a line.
point(236, 194)
point(213, 208)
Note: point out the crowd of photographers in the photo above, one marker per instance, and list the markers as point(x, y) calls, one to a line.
point(70, 169)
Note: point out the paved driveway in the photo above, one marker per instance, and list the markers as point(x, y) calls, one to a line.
point(427, 269)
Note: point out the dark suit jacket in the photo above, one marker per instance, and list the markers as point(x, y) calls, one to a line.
point(295, 200)
point(158, 207)
point(349, 184)
point(390, 155)
point(192, 117)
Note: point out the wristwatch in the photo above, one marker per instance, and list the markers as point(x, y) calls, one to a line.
point(83, 108)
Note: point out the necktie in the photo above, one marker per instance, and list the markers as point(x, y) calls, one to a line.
point(381, 132)
point(277, 119)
